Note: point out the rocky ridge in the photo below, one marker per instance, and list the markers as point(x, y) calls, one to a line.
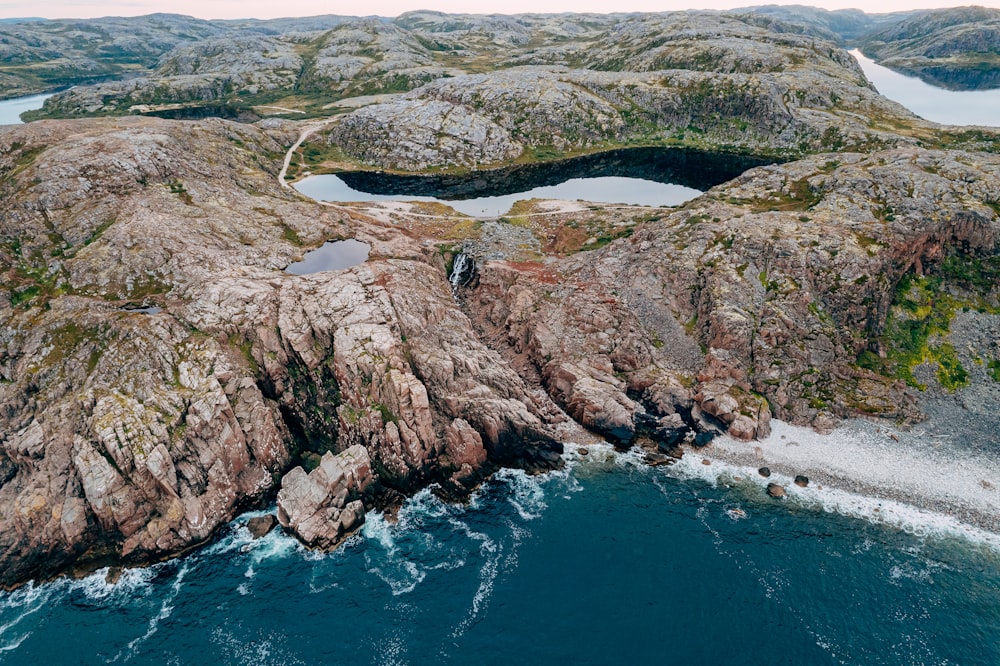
point(131, 434)
point(160, 372)
point(952, 48)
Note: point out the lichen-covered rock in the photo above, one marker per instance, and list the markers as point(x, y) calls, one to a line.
point(409, 134)
point(133, 433)
point(484, 118)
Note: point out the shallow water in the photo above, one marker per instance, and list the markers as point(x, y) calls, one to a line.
point(332, 256)
point(11, 109)
point(949, 107)
point(607, 562)
point(607, 189)
point(636, 176)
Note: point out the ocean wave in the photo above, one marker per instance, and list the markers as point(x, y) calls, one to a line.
point(527, 494)
point(890, 513)
point(165, 611)
point(257, 650)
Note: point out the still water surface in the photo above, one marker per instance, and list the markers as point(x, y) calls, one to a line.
point(331, 256)
point(606, 189)
point(637, 176)
point(11, 109)
point(949, 107)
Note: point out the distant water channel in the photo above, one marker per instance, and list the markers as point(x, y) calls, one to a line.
point(641, 176)
point(11, 109)
point(949, 107)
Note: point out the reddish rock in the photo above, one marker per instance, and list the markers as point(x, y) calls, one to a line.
point(260, 526)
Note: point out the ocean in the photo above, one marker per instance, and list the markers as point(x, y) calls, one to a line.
point(607, 561)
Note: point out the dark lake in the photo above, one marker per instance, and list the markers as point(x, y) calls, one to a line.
point(332, 256)
point(636, 176)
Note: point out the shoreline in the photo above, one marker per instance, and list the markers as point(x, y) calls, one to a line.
point(869, 461)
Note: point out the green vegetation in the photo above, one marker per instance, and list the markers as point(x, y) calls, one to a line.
point(177, 187)
point(921, 315)
point(386, 413)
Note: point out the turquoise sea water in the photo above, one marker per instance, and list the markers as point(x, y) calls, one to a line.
point(609, 561)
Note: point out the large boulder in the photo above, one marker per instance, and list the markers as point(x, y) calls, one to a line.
point(325, 506)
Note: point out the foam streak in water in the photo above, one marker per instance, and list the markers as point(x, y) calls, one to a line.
point(891, 513)
point(166, 608)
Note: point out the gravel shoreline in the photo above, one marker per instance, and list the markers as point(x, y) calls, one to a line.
point(872, 461)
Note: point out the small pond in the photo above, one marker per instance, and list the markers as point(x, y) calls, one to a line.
point(11, 109)
point(333, 256)
point(949, 107)
point(639, 176)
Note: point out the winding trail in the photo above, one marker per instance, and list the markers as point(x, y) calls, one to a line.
point(305, 134)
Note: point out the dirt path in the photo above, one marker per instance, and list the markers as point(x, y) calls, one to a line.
point(306, 133)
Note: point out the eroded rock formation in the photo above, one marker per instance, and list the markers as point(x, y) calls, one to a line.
point(160, 372)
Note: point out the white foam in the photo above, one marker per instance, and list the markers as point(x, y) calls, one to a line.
point(401, 575)
point(12, 645)
point(527, 494)
point(494, 563)
point(166, 609)
point(256, 650)
point(888, 512)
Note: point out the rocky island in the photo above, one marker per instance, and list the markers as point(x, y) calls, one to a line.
point(160, 371)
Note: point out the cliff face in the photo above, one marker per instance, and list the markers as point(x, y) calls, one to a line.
point(161, 372)
point(134, 433)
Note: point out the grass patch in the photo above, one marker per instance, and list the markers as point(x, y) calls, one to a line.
point(386, 413)
point(177, 187)
point(919, 321)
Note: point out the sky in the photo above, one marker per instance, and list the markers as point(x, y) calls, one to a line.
point(210, 9)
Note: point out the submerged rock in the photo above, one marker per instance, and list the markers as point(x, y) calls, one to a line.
point(260, 526)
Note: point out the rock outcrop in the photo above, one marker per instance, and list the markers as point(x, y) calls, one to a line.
point(952, 48)
point(160, 372)
point(483, 119)
point(129, 433)
point(325, 506)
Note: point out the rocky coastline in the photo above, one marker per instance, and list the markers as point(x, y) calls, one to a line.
point(160, 372)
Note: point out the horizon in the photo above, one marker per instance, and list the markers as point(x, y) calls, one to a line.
point(258, 9)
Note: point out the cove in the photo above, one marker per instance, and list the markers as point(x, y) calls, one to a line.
point(949, 107)
point(11, 109)
point(636, 176)
point(608, 561)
